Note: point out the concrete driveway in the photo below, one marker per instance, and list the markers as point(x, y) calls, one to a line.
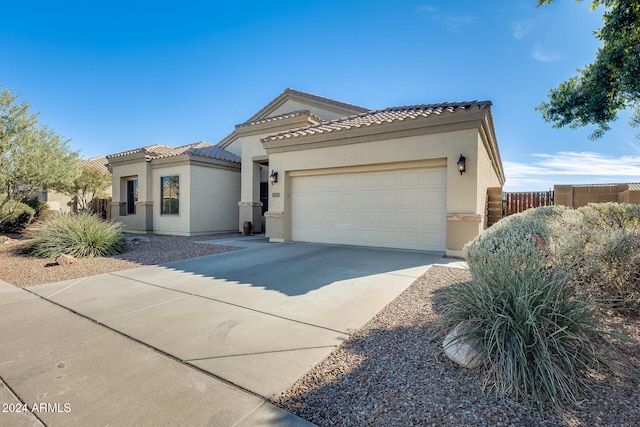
point(257, 318)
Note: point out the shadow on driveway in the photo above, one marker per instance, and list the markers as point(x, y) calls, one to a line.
point(298, 268)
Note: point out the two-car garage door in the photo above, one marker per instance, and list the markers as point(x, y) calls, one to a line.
point(400, 208)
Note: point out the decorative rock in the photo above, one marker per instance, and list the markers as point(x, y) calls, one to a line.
point(65, 259)
point(136, 240)
point(464, 351)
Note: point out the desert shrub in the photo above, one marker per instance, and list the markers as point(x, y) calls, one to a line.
point(513, 244)
point(538, 340)
point(15, 217)
point(607, 263)
point(527, 304)
point(78, 235)
point(37, 205)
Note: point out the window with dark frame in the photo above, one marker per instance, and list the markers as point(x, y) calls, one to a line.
point(132, 196)
point(170, 195)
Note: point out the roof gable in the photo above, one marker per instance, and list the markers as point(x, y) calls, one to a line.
point(291, 103)
point(273, 107)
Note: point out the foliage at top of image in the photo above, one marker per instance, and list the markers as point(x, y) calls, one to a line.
point(540, 283)
point(79, 235)
point(611, 83)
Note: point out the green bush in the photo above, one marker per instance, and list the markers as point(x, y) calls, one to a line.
point(37, 205)
point(78, 235)
point(531, 300)
point(15, 217)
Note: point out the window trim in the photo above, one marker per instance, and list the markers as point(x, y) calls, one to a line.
point(177, 197)
point(132, 197)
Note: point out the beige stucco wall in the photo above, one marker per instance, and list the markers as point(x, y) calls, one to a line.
point(486, 178)
point(215, 194)
point(179, 223)
point(208, 196)
point(464, 195)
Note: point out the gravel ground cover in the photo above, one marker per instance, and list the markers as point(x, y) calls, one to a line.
point(21, 270)
point(393, 372)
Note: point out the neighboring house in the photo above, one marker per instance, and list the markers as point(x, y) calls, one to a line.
point(345, 175)
point(188, 190)
point(58, 201)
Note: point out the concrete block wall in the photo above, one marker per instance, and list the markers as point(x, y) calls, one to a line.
point(576, 196)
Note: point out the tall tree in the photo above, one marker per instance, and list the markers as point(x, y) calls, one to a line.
point(611, 83)
point(32, 156)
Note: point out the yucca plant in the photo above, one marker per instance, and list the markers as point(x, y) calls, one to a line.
point(78, 235)
point(538, 334)
point(539, 341)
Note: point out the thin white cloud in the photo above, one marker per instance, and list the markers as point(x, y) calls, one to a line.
point(540, 54)
point(455, 23)
point(522, 28)
point(570, 167)
point(589, 163)
point(428, 9)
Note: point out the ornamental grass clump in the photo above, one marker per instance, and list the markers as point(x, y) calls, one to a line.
point(538, 334)
point(79, 235)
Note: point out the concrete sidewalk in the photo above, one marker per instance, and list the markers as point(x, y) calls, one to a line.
point(205, 341)
point(67, 370)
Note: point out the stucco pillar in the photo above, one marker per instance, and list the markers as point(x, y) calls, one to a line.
point(461, 229)
point(250, 211)
point(145, 210)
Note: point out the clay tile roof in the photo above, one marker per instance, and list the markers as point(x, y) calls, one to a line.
point(202, 148)
point(215, 152)
point(378, 117)
point(99, 163)
point(164, 151)
point(282, 117)
point(149, 149)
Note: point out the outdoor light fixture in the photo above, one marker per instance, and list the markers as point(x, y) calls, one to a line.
point(273, 177)
point(461, 164)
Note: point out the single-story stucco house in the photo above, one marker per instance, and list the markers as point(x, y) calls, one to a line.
point(312, 169)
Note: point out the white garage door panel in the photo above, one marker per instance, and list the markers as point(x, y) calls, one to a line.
point(403, 208)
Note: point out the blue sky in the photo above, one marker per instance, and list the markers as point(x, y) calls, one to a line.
point(112, 76)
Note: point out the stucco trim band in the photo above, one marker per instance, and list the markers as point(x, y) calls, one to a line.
point(465, 217)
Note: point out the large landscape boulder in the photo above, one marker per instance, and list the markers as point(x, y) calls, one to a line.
point(65, 259)
point(465, 351)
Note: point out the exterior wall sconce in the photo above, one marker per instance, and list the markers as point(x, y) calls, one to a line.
point(462, 164)
point(273, 177)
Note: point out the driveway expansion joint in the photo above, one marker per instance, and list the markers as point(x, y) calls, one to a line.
point(236, 305)
point(19, 399)
point(156, 349)
point(259, 352)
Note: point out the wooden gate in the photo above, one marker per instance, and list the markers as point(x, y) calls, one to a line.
point(514, 203)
